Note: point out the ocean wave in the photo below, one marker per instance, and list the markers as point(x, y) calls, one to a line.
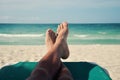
point(21, 35)
point(102, 32)
point(93, 37)
point(80, 36)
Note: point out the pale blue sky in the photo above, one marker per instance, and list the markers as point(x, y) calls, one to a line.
point(56, 11)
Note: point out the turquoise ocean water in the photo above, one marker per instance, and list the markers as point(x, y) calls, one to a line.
point(34, 34)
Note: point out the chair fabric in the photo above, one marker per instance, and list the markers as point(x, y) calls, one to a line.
point(79, 70)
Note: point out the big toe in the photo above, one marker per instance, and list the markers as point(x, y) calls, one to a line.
point(65, 24)
point(47, 32)
point(50, 33)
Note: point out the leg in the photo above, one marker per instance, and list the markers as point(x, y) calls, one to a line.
point(50, 63)
point(64, 73)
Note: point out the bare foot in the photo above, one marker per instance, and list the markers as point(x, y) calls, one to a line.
point(62, 32)
point(62, 36)
point(50, 39)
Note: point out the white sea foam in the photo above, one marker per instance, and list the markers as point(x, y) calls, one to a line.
point(21, 35)
point(90, 37)
point(80, 36)
point(102, 32)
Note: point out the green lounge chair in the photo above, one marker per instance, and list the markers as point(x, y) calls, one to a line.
point(79, 70)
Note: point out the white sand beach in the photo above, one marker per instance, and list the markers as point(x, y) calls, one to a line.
point(107, 56)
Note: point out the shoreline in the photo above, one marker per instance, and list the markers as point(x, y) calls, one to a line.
point(107, 56)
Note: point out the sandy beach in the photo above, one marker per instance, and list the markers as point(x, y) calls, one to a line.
point(107, 56)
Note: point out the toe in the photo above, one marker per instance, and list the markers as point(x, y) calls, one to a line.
point(53, 36)
point(52, 33)
point(61, 26)
point(65, 24)
point(58, 29)
point(47, 32)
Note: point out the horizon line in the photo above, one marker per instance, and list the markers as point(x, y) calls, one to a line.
point(60, 22)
